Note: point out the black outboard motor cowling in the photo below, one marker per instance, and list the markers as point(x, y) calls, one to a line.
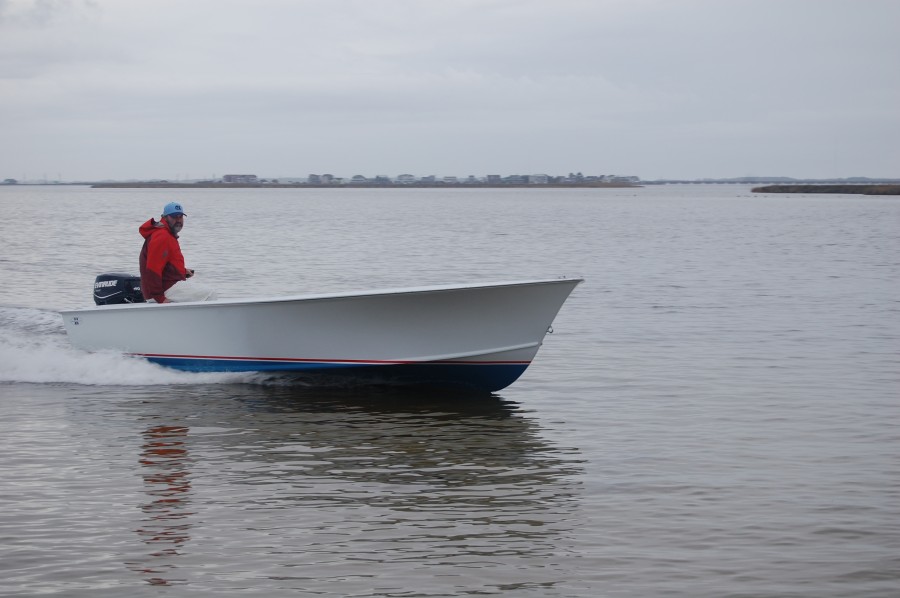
point(112, 288)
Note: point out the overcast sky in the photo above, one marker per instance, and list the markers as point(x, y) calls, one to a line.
point(176, 89)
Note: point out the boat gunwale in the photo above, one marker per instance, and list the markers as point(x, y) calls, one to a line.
point(325, 296)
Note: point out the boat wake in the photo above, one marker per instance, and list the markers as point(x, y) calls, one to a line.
point(34, 348)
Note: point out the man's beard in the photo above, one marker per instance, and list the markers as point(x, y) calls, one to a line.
point(176, 227)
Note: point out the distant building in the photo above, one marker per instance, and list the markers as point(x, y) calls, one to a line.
point(538, 179)
point(406, 179)
point(240, 178)
point(314, 179)
point(494, 179)
point(358, 179)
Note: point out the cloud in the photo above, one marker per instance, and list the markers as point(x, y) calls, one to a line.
point(415, 84)
point(38, 13)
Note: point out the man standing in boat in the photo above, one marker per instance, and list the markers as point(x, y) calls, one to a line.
point(162, 264)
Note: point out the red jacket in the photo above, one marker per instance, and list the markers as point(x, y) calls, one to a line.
point(162, 263)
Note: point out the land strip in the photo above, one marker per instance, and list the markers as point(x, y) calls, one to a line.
point(857, 189)
point(205, 185)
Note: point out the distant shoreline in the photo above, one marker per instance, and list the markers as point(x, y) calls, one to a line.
point(857, 189)
point(361, 186)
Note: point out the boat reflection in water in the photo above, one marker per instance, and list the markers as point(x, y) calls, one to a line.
point(165, 526)
point(298, 485)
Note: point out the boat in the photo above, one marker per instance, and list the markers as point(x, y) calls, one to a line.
point(476, 336)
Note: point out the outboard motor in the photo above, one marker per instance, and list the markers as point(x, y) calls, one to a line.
point(113, 288)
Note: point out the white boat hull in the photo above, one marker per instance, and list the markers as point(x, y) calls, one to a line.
point(478, 336)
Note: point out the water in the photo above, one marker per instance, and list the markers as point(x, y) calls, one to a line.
point(716, 413)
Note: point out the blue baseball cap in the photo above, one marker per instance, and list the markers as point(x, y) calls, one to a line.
point(173, 208)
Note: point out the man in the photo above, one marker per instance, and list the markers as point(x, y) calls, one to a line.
point(162, 264)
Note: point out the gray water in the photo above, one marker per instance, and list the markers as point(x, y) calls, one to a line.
point(715, 414)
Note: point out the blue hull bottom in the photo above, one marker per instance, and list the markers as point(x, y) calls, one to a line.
point(482, 377)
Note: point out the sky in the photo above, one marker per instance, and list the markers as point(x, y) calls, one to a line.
point(660, 89)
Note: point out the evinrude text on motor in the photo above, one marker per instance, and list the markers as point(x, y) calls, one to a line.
point(114, 288)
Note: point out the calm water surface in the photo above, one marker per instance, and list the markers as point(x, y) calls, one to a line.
point(715, 414)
